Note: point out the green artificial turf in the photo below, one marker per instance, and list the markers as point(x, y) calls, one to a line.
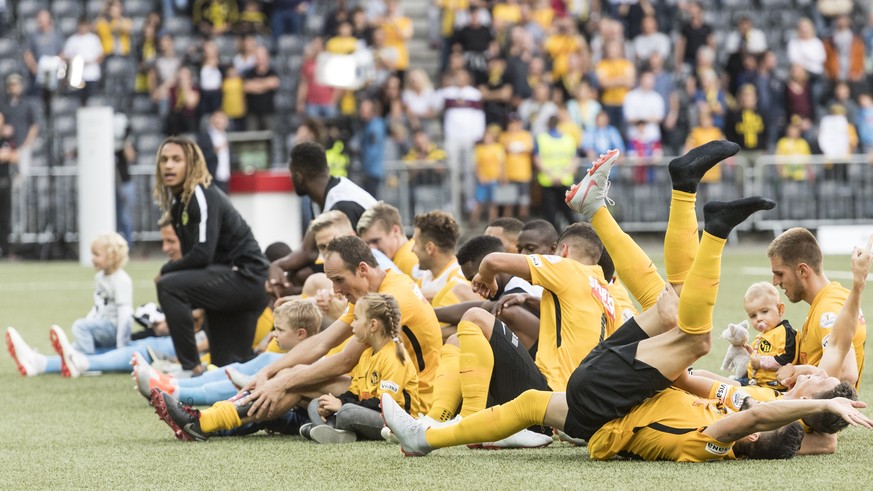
point(97, 432)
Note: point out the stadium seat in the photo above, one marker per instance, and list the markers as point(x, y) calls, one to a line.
point(178, 26)
point(291, 44)
point(142, 104)
point(70, 9)
point(93, 8)
point(137, 8)
point(64, 105)
point(27, 9)
point(9, 48)
point(148, 143)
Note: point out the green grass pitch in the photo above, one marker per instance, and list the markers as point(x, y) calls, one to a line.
point(97, 432)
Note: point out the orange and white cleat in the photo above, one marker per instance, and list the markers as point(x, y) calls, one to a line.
point(591, 193)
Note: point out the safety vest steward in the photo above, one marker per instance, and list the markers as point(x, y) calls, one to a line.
point(556, 157)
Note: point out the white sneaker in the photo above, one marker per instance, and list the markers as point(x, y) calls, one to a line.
point(238, 379)
point(65, 350)
point(328, 434)
point(408, 430)
point(29, 362)
point(590, 194)
point(522, 439)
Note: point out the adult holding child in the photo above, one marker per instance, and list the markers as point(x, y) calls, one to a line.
point(222, 270)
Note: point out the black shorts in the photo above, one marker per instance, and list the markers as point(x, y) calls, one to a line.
point(514, 369)
point(610, 382)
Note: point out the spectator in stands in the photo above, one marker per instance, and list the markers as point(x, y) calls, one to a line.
point(584, 108)
point(705, 132)
point(423, 150)
point(146, 54)
point(344, 42)
point(806, 49)
point(745, 40)
point(473, 40)
point(360, 27)
point(418, 99)
point(20, 114)
point(602, 138)
point(463, 125)
point(845, 53)
point(519, 146)
point(244, 60)
point(114, 30)
point(687, 112)
point(713, 97)
point(798, 98)
point(314, 99)
point(842, 95)
point(864, 122)
point(210, 79)
point(125, 192)
point(609, 31)
point(46, 41)
point(385, 57)
point(372, 144)
point(650, 42)
point(792, 152)
point(214, 17)
point(867, 36)
point(233, 98)
point(261, 84)
point(184, 101)
point(490, 160)
point(536, 111)
point(288, 17)
point(252, 20)
point(745, 126)
point(771, 96)
point(694, 34)
point(837, 138)
point(644, 110)
point(496, 92)
point(86, 44)
point(8, 159)
point(644, 145)
point(562, 42)
point(528, 75)
point(556, 163)
point(579, 69)
point(616, 76)
point(167, 64)
point(216, 150)
point(398, 32)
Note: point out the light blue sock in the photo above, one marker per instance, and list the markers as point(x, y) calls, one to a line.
point(250, 367)
point(52, 364)
point(118, 360)
point(208, 393)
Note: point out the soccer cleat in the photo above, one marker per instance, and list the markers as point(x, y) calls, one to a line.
point(579, 442)
point(65, 350)
point(432, 423)
point(138, 359)
point(147, 378)
point(23, 355)
point(328, 434)
point(409, 431)
point(183, 419)
point(238, 379)
point(388, 435)
point(587, 196)
point(304, 430)
point(522, 439)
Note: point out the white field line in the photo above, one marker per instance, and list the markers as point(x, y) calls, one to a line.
point(837, 275)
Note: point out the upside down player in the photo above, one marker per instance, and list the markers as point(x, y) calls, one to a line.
point(605, 404)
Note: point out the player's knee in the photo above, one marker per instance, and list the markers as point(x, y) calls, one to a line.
point(480, 317)
point(453, 340)
point(80, 328)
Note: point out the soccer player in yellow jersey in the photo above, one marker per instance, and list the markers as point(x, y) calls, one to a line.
point(435, 236)
point(796, 261)
point(382, 228)
point(507, 229)
point(617, 398)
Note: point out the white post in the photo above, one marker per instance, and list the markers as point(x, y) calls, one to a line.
point(96, 162)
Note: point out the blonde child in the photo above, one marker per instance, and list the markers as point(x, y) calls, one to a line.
point(384, 367)
point(108, 323)
point(490, 162)
point(774, 346)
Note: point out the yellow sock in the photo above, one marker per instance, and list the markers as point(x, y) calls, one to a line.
point(447, 384)
point(633, 266)
point(495, 423)
point(221, 416)
point(476, 364)
point(681, 239)
point(701, 287)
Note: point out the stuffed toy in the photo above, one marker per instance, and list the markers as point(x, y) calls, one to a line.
point(736, 359)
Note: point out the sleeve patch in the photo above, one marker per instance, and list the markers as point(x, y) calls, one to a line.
point(717, 449)
point(536, 261)
point(827, 320)
point(389, 386)
point(738, 398)
point(553, 259)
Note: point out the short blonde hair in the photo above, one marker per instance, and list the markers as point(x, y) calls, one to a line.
point(330, 219)
point(115, 248)
point(382, 213)
point(299, 314)
point(762, 289)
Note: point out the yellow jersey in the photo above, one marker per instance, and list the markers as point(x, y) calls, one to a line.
point(489, 158)
point(519, 150)
point(380, 372)
point(431, 285)
point(731, 397)
point(405, 259)
point(779, 343)
point(421, 335)
point(341, 45)
point(792, 155)
point(510, 14)
point(576, 313)
point(609, 69)
point(560, 47)
point(697, 137)
point(668, 426)
point(394, 29)
point(812, 339)
point(624, 306)
point(233, 97)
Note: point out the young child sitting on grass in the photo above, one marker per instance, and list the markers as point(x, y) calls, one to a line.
point(774, 346)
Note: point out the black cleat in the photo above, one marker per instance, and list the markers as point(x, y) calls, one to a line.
point(183, 419)
point(721, 217)
point(687, 171)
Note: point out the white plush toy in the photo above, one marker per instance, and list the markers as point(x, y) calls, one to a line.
point(736, 359)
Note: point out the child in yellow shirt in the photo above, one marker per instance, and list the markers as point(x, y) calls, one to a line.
point(233, 98)
point(775, 344)
point(490, 160)
point(705, 133)
point(792, 152)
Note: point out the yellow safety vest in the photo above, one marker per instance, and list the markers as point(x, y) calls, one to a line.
point(337, 161)
point(556, 155)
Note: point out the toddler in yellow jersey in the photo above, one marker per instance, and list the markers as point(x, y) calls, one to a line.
point(384, 368)
point(774, 346)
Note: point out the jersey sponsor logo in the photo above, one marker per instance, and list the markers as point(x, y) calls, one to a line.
point(553, 259)
point(601, 293)
point(765, 346)
point(824, 341)
point(389, 386)
point(721, 392)
point(827, 320)
point(536, 261)
point(737, 398)
point(374, 378)
point(717, 449)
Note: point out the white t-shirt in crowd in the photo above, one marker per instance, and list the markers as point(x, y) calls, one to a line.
point(89, 48)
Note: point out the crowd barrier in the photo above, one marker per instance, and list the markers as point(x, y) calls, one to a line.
point(810, 191)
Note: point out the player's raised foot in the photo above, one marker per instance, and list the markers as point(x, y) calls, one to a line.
point(720, 217)
point(408, 430)
point(147, 378)
point(328, 434)
point(65, 350)
point(184, 420)
point(687, 171)
point(238, 379)
point(28, 361)
point(591, 193)
point(522, 439)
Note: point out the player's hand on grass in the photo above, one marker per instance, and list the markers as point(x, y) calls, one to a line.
point(848, 410)
point(862, 257)
point(668, 307)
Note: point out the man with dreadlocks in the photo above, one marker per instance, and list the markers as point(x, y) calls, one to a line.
point(222, 269)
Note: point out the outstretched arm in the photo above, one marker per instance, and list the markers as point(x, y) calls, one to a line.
point(840, 342)
point(776, 414)
point(485, 282)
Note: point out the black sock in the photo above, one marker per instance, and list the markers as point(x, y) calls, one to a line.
point(721, 217)
point(687, 170)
